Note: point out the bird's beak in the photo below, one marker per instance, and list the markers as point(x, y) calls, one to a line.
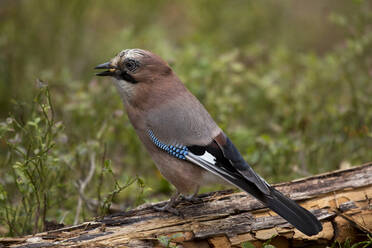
point(110, 69)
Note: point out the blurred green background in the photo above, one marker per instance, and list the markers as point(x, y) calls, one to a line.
point(289, 81)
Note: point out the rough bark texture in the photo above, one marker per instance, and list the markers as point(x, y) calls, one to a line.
point(340, 199)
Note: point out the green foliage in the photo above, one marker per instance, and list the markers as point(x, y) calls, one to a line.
point(267, 244)
point(288, 81)
point(109, 198)
point(33, 167)
point(348, 244)
point(165, 241)
point(37, 165)
point(247, 244)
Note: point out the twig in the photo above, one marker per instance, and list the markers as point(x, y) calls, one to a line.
point(100, 179)
point(82, 186)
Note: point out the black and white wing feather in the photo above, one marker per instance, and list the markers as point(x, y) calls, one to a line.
point(221, 158)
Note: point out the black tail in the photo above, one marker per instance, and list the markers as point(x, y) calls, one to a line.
point(299, 217)
point(228, 164)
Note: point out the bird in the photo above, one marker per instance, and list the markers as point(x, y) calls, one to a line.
point(187, 146)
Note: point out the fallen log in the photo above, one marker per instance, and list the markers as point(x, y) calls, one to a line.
point(340, 199)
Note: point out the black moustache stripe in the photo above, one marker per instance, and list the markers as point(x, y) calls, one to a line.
point(125, 76)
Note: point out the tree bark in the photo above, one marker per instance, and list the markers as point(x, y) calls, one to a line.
point(340, 199)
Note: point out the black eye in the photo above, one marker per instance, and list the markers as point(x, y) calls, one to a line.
point(131, 64)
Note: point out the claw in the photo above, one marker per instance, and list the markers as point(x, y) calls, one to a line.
point(192, 199)
point(169, 209)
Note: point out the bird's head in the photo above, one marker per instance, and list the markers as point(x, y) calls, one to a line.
point(136, 71)
point(134, 66)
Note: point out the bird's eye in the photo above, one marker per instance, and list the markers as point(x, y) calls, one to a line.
point(131, 64)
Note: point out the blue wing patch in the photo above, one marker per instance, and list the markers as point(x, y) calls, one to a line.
point(178, 151)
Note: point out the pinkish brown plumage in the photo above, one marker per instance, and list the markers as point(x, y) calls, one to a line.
point(185, 143)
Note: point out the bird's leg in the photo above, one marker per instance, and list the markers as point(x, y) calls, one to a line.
point(170, 207)
point(193, 197)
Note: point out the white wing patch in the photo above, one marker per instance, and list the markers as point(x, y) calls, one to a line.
point(208, 157)
point(208, 162)
point(204, 162)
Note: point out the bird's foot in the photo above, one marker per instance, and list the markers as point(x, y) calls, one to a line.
point(169, 209)
point(194, 199)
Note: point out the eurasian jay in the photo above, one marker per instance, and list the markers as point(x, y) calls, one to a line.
point(188, 147)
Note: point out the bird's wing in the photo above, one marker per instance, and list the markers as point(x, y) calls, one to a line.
point(182, 120)
point(221, 158)
point(185, 130)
